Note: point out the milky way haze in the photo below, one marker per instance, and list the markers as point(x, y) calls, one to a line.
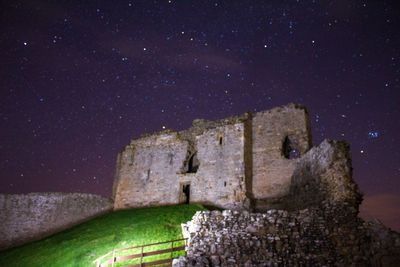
point(79, 80)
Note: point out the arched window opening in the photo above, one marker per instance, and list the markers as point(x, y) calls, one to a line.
point(289, 149)
point(220, 140)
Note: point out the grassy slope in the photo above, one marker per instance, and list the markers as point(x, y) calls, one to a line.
point(82, 244)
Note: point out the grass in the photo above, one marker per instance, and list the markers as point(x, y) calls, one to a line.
point(82, 244)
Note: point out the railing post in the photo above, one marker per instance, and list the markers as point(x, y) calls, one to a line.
point(172, 246)
point(113, 258)
point(141, 256)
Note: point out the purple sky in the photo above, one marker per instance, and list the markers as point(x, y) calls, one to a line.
point(79, 80)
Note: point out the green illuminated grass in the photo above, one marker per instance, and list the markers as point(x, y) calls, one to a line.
point(82, 244)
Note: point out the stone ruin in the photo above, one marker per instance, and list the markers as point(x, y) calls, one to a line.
point(316, 224)
point(242, 162)
point(261, 162)
point(254, 162)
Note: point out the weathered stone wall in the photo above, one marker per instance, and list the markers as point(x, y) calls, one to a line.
point(329, 235)
point(148, 173)
point(324, 174)
point(220, 179)
point(272, 172)
point(154, 170)
point(33, 216)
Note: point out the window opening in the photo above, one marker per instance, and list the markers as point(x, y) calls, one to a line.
point(193, 164)
point(289, 149)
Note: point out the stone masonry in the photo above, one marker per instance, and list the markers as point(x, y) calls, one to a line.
point(327, 235)
point(236, 163)
point(28, 217)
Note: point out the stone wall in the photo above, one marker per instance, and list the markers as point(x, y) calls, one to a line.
point(157, 169)
point(33, 216)
point(329, 235)
point(272, 171)
point(220, 179)
point(324, 174)
point(148, 172)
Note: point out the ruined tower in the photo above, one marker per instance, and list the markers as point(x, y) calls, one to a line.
point(239, 162)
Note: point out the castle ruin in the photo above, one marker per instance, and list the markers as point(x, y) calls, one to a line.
point(240, 162)
point(261, 162)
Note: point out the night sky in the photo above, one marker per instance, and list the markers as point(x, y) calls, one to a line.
point(79, 80)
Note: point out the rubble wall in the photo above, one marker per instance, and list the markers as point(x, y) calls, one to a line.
point(330, 235)
point(272, 172)
point(33, 216)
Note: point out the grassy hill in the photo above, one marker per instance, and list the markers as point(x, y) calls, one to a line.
point(82, 244)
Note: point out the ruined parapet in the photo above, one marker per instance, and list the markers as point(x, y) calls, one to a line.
point(29, 217)
point(324, 174)
point(279, 137)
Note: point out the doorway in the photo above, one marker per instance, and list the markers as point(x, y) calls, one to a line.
point(185, 193)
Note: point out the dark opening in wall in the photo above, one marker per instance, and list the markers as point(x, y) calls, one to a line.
point(186, 193)
point(220, 141)
point(225, 184)
point(148, 174)
point(193, 164)
point(289, 149)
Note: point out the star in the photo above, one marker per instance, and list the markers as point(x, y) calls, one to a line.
point(123, 72)
point(373, 134)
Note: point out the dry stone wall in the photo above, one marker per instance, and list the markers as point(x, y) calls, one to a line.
point(36, 215)
point(329, 235)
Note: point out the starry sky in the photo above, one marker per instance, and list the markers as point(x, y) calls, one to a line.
point(78, 80)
